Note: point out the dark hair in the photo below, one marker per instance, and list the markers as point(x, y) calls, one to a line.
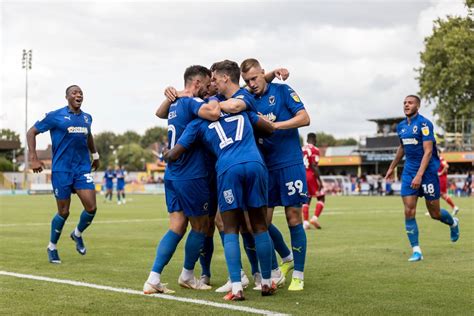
point(414, 96)
point(228, 67)
point(312, 136)
point(195, 70)
point(249, 63)
point(74, 85)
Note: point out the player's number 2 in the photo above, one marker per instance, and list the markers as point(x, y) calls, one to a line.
point(293, 186)
point(221, 133)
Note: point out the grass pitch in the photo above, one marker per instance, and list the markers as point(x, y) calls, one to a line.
point(357, 264)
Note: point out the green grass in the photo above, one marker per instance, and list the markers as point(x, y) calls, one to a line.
point(357, 264)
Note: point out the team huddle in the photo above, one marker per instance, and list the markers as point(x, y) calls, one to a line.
point(233, 155)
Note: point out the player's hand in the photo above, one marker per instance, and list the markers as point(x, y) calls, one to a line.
point(171, 94)
point(95, 164)
point(164, 154)
point(389, 174)
point(416, 182)
point(281, 73)
point(36, 165)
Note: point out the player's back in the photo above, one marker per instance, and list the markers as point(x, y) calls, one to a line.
point(230, 139)
point(280, 103)
point(412, 135)
point(191, 165)
point(310, 155)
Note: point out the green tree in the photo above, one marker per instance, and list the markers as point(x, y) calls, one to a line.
point(134, 157)
point(153, 135)
point(128, 137)
point(103, 141)
point(8, 134)
point(6, 165)
point(346, 142)
point(323, 139)
point(446, 76)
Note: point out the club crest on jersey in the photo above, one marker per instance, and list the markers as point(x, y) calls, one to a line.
point(425, 130)
point(271, 100)
point(295, 97)
point(86, 119)
point(228, 196)
point(415, 129)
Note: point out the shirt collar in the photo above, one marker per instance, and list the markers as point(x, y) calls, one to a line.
point(72, 112)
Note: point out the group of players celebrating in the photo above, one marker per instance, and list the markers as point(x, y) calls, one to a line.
point(234, 155)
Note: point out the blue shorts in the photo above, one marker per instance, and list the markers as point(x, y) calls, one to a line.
point(120, 185)
point(429, 188)
point(242, 186)
point(109, 186)
point(212, 193)
point(189, 196)
point(287, 186)
point(65, 183)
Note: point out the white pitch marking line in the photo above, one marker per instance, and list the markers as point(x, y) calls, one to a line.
point(126, 221)
point(135, 292)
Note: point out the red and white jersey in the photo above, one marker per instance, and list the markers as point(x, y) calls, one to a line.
point(310, 156)
point(442, 164)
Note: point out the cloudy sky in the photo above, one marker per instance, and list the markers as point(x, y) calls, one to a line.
point(349, 60)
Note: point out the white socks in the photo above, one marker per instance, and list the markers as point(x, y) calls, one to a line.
point(77, 233)
point(154, 278)
point(187, 274)
point(298, 274)
point(51, 246)
point(288, 258)
point(236, 287)
point(416, 249)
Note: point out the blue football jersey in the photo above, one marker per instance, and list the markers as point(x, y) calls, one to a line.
point(412, 137)
point(120, 173)
point(69, 134)
point(109, 176)
point(247, 97)
point(230, 138)
point(280, 103)
point(191, 165)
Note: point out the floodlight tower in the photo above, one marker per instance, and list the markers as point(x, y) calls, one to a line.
point(26, 64)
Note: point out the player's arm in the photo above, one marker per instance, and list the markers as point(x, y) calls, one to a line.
point(444, 170)
point(262, 126)
point(280, 73)
point(210, 111)
point(427, 153)
point(398, 156)
point(233, 105)
point(171, 95)
point(300, 119)
point(163, 109)
point(174, 153)
point(93, 150)
point(35, 163)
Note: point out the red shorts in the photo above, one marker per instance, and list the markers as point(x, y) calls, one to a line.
point(313, 188)
point(443, 185)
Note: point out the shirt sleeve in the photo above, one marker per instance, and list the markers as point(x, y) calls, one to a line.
point(190, 134)
point(253, 117)
point(46, 123)
point(427, 132)
point(293, 101)
point(248, 99)
point(196, 104)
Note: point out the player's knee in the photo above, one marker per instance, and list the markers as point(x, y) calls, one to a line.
point(293, 216)
point(92, 209)
point(63, 212)
point(435, 215)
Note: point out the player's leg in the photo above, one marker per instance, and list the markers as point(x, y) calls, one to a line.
point(411, 226)
point(293, 195)
point(119, 197)
point(207, 251)
point(169, 242)
point(249, 243)
point(445, 217)
point(256, 200)
point(124, 200)
point(318, 210)
point(312, 190)
point(62, 187)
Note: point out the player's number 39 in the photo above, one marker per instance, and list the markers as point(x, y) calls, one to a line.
point(293, 186)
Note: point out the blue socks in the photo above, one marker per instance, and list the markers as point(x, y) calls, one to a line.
point(263, 244)
point(57, 225)
point(298, 244)
point(250, 249)
point(412, 231)
point(232, 256)
point(165, 250)
point(206, 256)
point(192, 249)
point(85, 220)
point(446, 217)
point(279, 242)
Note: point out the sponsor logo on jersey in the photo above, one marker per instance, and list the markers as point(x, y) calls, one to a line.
point(415, 129)
point(409, 141)
point(271, 117)
point(425, 130)
point(172, 115)
point(228, 196)
point(295, 97)
point(77, 130)
point(271, 100)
